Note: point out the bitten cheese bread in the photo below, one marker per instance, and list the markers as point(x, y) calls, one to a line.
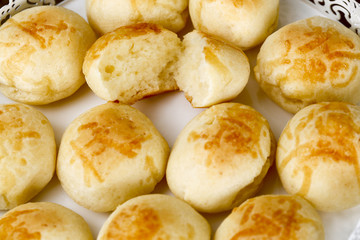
point(309, 61)
point(318, 155)
point(109, 154)
point(244, 23)
point(210, 71)
point(28, 154)
point(132, 62)
point(155, 216)
point(105, 16)
point(41, 54)
point(43, 221)
point(273, 217)
point(221, 157)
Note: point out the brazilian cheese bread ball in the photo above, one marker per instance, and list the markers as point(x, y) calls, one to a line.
point(28, 154)
point(155, 216)
point(42, 50)
point(221, 157)
point(273, 217)
point(244, 23)
point(43, 221)
point(318, 155)
point(105, 16)
point(109, 154)
point(132, 62)
point(309, 61)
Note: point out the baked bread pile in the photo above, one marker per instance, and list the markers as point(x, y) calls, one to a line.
point(112, 156)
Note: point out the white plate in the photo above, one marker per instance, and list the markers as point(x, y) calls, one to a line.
point(170, 112)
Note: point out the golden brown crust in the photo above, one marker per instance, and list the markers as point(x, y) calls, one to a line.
point(9, 229)
point(155, 216)
point(108, 131)
point(207, 164)
point(28, 154)
point(29, 43)
point(269, 216)
point(322, 54)
point(320, 144)
point(125, 32)
point(237, 131)
point(137, 222)
point(41, 220)
point(116, 67)
point(109, 154)
point(309, 61)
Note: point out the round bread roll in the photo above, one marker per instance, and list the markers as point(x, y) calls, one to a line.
point(309, 61)
point(132, 62)
point(155, 216)
point(109, 154)
point(210, 71)
point(41, 54)
point(43, 221)
point(318, 155)
point(28, 154)
point(221, 157)
point(272, 217)
point(106, 16)
point(244, 23)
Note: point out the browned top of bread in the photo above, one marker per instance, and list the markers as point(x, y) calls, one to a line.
point(207, 163)
point(155, 216)
point(124, 32)
point(322, 53)
point(28, 153)
point(308, 61)
point(281, 217)
point(106, 132)
point(318, 155)
point(42, 50)
point(43, 220)
point(132, 62)
point(238, 129)
point(109, 154)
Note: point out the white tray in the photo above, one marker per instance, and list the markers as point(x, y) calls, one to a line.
point(170, 112)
